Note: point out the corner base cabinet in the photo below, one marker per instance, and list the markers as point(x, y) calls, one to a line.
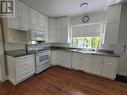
point(20, 68)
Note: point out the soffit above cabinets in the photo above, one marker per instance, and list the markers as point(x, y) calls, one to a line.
point(58, 8)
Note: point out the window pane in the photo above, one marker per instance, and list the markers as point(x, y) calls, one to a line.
point(83, 42)
point(95, 42)
point(74, 41)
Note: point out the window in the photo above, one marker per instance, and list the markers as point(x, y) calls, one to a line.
point(86, 42)
point(86, 35)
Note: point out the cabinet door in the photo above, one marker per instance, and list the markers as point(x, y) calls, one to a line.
point(17, 8)
point(76, 61)
point(52, 30)
point(87, 63)
point(110, 67)
point(14, 23)
point(24, 12)
point(46, 27)
point(66, 58)
point(111, 35)
point(114, 13)
point(62, 29)
point(97, 64)
point(33, 16)
point(41, 20)
point(55, 57)
point(24, 25)
point(64, 33)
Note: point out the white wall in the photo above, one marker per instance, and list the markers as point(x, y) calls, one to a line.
point(98, 17)
point(2, 65)
point(93, 18)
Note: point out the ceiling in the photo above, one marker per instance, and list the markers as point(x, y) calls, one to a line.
point(58, 8)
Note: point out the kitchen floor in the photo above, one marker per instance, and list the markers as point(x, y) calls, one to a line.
point(61, 81)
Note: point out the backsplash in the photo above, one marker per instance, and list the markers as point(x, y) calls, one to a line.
point(14, 46)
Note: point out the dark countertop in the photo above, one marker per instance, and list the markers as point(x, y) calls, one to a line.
point(19, 53)
point(100, 53)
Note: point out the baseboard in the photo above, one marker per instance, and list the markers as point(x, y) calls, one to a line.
point(121, 78)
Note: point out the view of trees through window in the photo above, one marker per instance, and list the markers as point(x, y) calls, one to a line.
point(86, 42)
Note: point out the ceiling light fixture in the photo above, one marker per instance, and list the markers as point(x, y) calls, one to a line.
point(84, 5)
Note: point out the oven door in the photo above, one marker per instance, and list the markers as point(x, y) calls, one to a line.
point(42, 61)
point(42, 58)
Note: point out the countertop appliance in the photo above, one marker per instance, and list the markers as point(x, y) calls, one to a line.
point(42, 60)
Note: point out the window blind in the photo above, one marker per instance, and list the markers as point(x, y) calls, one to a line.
point(88, 30)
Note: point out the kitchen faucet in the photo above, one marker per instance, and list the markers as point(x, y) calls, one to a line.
point(85, 44)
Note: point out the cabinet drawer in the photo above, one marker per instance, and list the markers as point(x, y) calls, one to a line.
point(22, 65)
point(110, 59)
point(27, 57)
point(97, 58)
point(25, 69)
point(26, 66)
point(24, 73)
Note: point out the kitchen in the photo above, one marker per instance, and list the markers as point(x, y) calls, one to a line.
point(58, 45)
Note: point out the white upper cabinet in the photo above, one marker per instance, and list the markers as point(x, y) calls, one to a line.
point(62, 29)
point(46, 27)
point(114, 13)
point(33, 17)
point(37, 18)
point(58, 29)
point(116, 24)
point(21, 19)
point(27, 19)
point(41, 20)
point(111, 34)
point(51, 30)
point(14, 23)
point(24, 12)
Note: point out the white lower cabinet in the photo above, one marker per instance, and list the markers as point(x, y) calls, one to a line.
point(61, 58)
point(55, 57)
point(87, 62)
point(81, 62)
point(110, 67)
point(95, 64)
point(76, 62)
point(20, 68)
point(66, 58)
